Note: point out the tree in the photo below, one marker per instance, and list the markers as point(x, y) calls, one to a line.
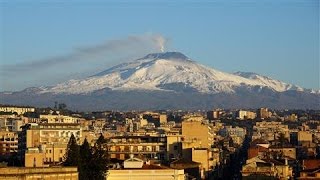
point(62, 106)
point(92, 162)
point(86, 164)
point(72, 155)
point(282, 139)
point(100, 159)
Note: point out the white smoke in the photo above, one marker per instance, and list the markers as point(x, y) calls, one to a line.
point(124, 47)
point(85, 60)
point(160, 41)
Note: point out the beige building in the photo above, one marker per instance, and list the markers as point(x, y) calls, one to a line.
point(90, 136)
point(145, 147)
point(17, 109)
point(196, 134)
point(205, 157)
point(33, 157)
point(214, 114)
point(137, 169)
point(163, 118)
point(146, 174)
point(242, 115)
point(291, 117)
point(270, 130)
point(304, 136)
point(196, 144)
point(49, 139)
point(52, 173)
point(11, 124)
point(8, 143)
point(263, 113)
point(174, 145)
point(289, 152)
point(50, 118)
point(256, 168)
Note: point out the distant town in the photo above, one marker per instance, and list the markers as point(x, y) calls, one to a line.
point(57, 143)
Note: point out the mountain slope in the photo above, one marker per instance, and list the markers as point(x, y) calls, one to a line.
point(168, 71)
point(168, 80)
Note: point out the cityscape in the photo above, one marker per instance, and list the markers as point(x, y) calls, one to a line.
point(218, 144)
point(159, 90)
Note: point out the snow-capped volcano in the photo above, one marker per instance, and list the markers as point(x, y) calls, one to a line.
point(168, 80)
point(169, 71)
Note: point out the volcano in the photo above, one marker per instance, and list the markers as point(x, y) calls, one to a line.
point(169, 80)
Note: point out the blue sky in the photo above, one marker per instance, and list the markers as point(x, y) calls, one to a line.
point(277, 38)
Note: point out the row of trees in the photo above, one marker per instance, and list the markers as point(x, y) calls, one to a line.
point(92, 161)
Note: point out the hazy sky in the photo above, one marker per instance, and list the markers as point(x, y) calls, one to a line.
point(46, 42)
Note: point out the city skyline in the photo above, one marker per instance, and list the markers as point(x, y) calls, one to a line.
point(279, 39)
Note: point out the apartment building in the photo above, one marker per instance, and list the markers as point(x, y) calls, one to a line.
point(51, 118)
point(270, 130)
point(8, 143)
point(49, 139)
point(17, 109)
point(11, 124)
point(144, 147)
point(197, 141)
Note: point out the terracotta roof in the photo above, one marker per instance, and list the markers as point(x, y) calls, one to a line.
point(311, 164)
point(311, 171)
point(258, 141)
point(185, 161)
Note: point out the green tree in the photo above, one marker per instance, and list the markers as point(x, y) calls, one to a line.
point(100, 159)
point(62, 106)
point(86, 164)
point(72, 155)
point(282, 140)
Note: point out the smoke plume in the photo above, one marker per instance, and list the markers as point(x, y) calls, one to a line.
point(82, 61)
point(137, 44)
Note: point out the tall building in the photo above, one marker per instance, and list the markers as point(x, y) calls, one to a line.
point(214, 114)
point(146, 147)
point(196, 133)
point(163, 118)
point(196, 143)
point(47, 140)
point(8, 143)
point(241, 114)
point(174, 146)
point(11, 124)
point(263, 113)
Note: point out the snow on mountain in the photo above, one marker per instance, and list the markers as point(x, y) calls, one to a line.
point(167, 72)
point(269, 82)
